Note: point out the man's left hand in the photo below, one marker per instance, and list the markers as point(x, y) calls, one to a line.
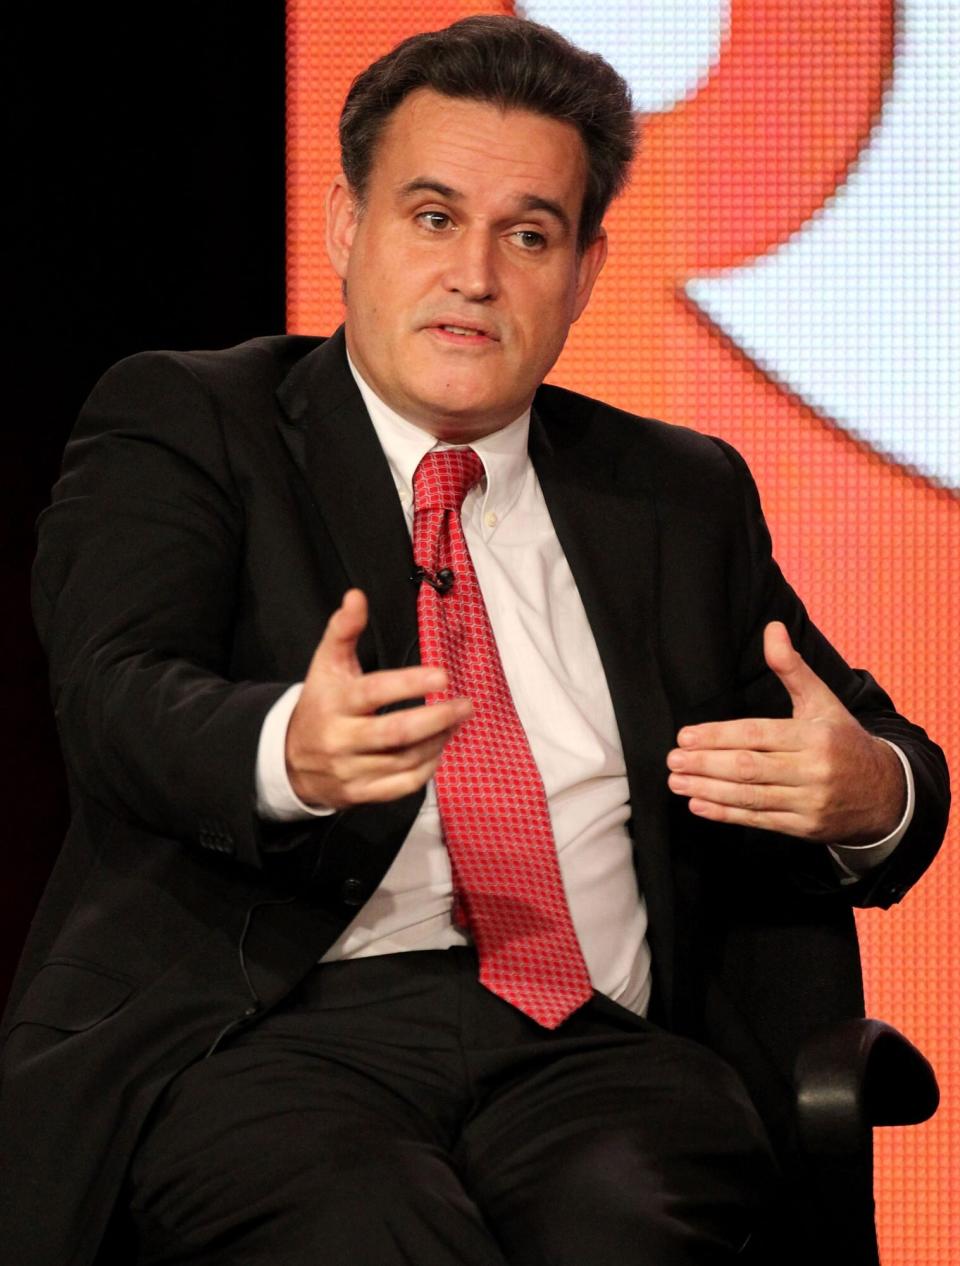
point(818, 775)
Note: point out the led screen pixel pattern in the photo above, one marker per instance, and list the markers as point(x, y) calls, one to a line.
point(785, 272)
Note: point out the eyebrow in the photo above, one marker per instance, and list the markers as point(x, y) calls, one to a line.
point(527, 201)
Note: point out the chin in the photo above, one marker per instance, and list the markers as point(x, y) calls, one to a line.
point(478, 418)
point(457, 428)
point(461, 405)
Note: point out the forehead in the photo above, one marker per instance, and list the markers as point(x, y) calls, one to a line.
point(478, 147)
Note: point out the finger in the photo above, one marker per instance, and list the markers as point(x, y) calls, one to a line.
point(336, 748)
point(367, 766)
point(337, 649)
point(809, 694)
point(399, 731)
point(784, 823)
point(374, 780)
point(739, 765)
point(394, 786)
point(372, 691)
point(754, 734)
point(755, 797)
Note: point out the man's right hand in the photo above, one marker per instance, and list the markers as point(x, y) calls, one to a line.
point(338, 751)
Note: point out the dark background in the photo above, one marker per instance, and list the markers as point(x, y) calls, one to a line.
point(145, 174)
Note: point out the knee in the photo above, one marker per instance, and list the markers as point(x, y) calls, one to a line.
point(617, 1203)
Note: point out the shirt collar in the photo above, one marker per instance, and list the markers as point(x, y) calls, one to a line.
point(503, 453)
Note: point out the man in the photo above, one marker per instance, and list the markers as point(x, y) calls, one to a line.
point(386, 680)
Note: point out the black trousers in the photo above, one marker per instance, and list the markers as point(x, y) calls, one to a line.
point(394, 1111)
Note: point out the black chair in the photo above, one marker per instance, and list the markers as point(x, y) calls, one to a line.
point(849, 1077)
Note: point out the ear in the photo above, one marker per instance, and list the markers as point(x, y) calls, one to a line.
point(588, 270)
point(342, 219)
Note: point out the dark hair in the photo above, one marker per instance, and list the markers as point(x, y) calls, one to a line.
point(514, 64)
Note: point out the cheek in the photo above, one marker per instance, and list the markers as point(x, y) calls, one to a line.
point(549, 327)
point(548, 309)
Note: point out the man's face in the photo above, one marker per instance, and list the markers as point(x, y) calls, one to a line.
point(462, 270)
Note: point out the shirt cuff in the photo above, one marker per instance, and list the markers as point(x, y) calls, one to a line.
point(276, 799)
point(855, 860)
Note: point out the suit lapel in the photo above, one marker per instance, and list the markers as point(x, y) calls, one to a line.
point(597, 490)
point(330, 436)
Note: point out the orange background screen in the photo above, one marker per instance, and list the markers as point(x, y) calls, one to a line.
point(771, 137)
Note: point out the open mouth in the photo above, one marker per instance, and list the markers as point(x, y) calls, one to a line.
point(455, 332)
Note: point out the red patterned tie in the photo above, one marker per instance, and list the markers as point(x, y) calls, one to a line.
point(493, 808)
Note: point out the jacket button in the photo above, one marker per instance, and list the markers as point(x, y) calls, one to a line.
point(351, 893)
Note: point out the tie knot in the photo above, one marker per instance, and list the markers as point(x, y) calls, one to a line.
point(444, 477)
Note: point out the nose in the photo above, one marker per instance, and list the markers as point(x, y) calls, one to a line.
point(471, 268)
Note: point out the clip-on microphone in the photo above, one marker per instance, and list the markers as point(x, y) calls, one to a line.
point(441, 581)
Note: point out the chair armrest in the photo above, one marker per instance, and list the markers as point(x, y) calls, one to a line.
point(853, 1075)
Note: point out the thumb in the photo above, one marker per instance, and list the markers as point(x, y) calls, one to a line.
point(811, 697)
point(337, 650)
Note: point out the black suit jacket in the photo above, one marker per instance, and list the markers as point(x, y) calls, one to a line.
point(212, 510)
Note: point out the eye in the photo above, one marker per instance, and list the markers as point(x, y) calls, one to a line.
point(436, 221)
point(530, 239)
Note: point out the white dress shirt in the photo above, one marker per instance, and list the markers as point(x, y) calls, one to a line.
point(552, 666)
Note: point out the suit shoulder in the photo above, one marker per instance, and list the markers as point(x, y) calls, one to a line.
point(176, 394)
point(665, 449)
point(267, 359)
point(208, 407)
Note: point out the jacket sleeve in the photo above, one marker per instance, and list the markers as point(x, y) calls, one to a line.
point(135, 585)
point(772, 598)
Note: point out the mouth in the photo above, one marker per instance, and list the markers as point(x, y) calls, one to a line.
point(462, 333)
